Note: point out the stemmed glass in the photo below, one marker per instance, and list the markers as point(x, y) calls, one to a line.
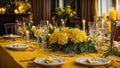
point(44, 27)
point(95, 33)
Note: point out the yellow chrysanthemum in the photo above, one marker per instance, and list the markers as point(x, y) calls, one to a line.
point(58, 37)
point(53, 37)
point(65, 30)
point(77, 35)
point(62, 38)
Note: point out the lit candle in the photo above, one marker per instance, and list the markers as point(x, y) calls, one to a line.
point(102, 24)
point(117, 14)
point(109, 26)
point(104, 16)
point(47, 22)
point(118, 7)
point(62, 22)
point(112, 14)
point(27, 35)
point(83, 24)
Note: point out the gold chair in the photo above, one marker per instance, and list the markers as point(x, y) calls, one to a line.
point(10, 28)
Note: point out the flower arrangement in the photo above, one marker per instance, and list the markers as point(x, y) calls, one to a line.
point(70, 40)
point(22, 7)
point(64, 13)
point(16, 6)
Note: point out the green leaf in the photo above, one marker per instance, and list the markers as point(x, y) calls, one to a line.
point(67, 50)
point(107, 54)
point(82, 49)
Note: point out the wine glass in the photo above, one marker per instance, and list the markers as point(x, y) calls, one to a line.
point(44, 26)
point(95, 33)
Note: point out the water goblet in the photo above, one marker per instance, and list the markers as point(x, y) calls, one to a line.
point(43, 36)
point(44, 25)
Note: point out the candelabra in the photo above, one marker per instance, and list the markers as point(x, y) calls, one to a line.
point(111, 49)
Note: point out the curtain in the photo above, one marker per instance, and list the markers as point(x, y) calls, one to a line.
point(88, 10)
point(41, 10)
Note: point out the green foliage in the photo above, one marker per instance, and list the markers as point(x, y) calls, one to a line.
point(111, 51)
point(86, 46)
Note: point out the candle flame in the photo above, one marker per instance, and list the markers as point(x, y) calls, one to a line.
point(83, 20)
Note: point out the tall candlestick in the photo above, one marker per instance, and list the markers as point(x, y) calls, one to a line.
point(83, 24)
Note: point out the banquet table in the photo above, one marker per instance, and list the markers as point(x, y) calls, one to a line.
point(12, 58)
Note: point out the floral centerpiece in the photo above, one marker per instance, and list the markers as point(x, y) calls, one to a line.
point(15, 6)
point(70, 40)
point(64, 14)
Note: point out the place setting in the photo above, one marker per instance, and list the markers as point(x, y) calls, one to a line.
point(19, 47)
point(11, 36)
point(51, 62)
point(92, 61)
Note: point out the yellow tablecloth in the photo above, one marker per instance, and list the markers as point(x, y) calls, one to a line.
point(11, 59)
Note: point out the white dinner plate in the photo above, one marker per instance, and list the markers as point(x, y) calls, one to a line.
point(56, 61)
point(98, 61)
point(11, 36)
point(17, 46)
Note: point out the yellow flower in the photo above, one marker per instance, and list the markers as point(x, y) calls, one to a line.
point(58, 37)
point(74, 12)
point(68, 6)
point(37, 32)
point(64, 34)
point(53, 37)
point(22, 29)
point(71, 14)
point(77, 35)
point(33, 28)
point(65, 30)
point(68, 10)
point(62, 38)
point(59, 13)
point(62, 10)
